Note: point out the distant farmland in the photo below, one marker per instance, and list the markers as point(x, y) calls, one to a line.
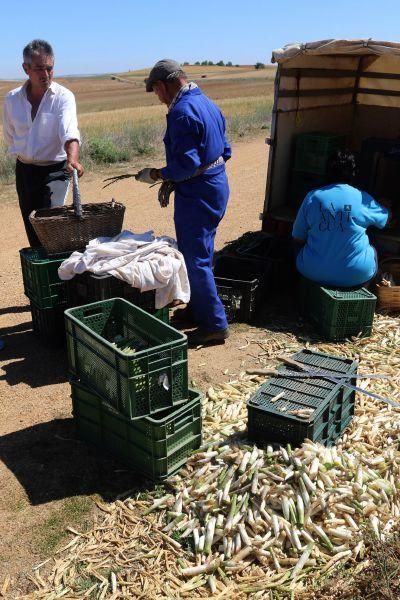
point(120, 121)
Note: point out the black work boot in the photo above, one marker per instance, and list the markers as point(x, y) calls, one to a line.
point(183, 315)
point(200, 337)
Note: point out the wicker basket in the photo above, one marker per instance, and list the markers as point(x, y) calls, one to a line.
point(69, 228)
point(389, 296)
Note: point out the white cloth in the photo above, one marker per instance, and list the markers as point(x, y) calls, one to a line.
point(42, 140)
point(142, 260)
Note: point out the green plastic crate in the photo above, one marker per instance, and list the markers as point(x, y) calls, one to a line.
point(162, 314)
point(86, 288)
point(338, 427)
point(346, 404)
point(313, 151)
point(338, 313)
point(48, 324)
point(343, 415)
point(270, 422)
point(40, 276)
point(156, 446)
point(137, 384)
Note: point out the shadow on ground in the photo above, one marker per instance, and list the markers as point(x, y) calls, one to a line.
point(28, 359)
point(50, 464)
point(9, 310)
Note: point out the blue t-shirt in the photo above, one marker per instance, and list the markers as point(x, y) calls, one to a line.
point(333, 221)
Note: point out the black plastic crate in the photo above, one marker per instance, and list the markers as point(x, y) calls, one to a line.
point(87, 287)
point(258, 245)
point(240, 283)
point(48, 324)
point(270, 421)
point(275, 255)
point(373, 150)
point(156, 446)
point(252, 244)
point(134, 361)
point(302, 184)
point(283, 274)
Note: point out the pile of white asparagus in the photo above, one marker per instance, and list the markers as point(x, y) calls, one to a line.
point(240, 520)
point(295, 512)
point(292, 511)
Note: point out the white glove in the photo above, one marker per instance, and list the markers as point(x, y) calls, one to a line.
point(145, 176)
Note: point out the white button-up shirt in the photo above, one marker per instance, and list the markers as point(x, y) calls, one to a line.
point(42, 140)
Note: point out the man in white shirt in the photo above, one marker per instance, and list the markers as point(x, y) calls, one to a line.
point(40, 128)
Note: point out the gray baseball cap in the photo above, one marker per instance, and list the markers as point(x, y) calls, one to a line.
point(164, 69)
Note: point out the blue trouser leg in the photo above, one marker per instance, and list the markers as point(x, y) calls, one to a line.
point(197, 248)
point(196, 225)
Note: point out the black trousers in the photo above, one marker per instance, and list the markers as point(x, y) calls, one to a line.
point(40, 187)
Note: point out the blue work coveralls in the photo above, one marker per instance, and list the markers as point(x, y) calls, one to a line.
point(195, 138)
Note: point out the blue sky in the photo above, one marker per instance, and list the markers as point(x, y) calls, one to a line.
point(116, 35)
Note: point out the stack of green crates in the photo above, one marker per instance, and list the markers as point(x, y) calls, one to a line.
point(332, 403)
point(46, 292)
point(132, 369)
point(338, 313)
point(312, 154)
point(157, 445)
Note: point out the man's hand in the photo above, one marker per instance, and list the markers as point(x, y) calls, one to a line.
point(71, 165)
point(148, 175)
point(72, 150)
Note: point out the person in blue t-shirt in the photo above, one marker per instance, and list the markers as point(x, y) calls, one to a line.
point(330, 229)
point(196, 151)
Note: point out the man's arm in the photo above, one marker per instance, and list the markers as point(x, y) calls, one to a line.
point(72, 150)
point(69, 133)
point(227, 153)
point(8, 129)
point(184, 134)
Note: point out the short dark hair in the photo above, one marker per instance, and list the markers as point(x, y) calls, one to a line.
point(37, 47)
point(342, 167)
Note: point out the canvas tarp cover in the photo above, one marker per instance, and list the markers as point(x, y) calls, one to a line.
point(336, 73)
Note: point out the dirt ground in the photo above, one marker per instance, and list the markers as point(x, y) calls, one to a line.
point(47, 478)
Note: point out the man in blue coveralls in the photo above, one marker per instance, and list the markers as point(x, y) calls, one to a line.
point(196, 151)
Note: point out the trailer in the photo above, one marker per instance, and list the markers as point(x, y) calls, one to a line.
point(348, 89)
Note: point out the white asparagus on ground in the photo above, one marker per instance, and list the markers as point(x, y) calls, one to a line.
point(353, 484)
point(309, 503)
